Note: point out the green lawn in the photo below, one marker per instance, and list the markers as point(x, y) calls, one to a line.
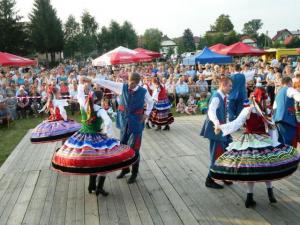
point(10, 137)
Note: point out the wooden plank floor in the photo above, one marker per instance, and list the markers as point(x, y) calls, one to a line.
point(170, 188)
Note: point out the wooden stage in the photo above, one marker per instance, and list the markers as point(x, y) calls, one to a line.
point(170, 188)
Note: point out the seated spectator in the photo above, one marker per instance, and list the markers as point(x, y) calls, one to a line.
point(23, 107)
point(182, 89)
point(203, 103)
point(214, 84)
point(64, 89)
point(202, 83)
point(35, 101)
point(11, 103)
point(193, 88)
point(191, 105)
point(98, 93)
point(180, 106)
point(74, 105)
point(4, 112)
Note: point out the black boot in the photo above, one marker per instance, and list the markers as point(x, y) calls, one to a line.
point(147, 125)
point(123, 173)
point(250, 201)
point(92, 184)
point(134, 173)
point(167, 127)
point(158, 128)
point(99, 188)
point(271, 195)
point(210, 183)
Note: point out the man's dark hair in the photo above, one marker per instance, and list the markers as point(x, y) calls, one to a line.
point(237, 67)
point(286, 80)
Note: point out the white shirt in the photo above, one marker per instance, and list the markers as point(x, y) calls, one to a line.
point(61, 103)
point(291, 93)
point(212, 108)
point(100, 112)
point(118, 88)
point(236, 124)
point(249, 75)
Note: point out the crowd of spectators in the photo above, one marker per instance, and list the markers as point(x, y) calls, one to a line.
point(23, 91)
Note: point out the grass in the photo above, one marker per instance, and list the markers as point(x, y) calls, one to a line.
point(10, 137)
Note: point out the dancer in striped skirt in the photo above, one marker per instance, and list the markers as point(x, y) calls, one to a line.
point(256, 155)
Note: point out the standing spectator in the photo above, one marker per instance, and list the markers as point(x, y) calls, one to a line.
point(271, 85)
point(238, 93)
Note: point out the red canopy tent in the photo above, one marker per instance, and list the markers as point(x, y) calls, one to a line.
point(241, 49)
point(7, 59)
point(148, 52)
point(218, 48)
point(121, 55)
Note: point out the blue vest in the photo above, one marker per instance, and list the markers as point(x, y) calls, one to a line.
point(285, 110)
point(207, 130)
point(131, 109)
point(238, 90)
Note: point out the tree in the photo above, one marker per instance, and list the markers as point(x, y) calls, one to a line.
point(71, 36)
point(222, 24)
point(188, 41)
point(13, 37)
point(89, 24)
point(152, 39)
point(115, 34)
point(46, 29)
point(251, 27)
point(129, 35)
point(87, 39)
point(230, 38)
point(263, 41)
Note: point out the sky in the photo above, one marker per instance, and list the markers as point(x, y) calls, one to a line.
point(172, 17)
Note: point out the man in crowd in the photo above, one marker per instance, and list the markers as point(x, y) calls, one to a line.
point(238, 93)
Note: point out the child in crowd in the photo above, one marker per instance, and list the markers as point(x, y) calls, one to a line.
point(278, 78)
point(296, 85)
point(180, 106)
point(203, 103)
point(191, 105)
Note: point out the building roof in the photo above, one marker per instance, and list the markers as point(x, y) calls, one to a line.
point(295, 32)
point(279, 33)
